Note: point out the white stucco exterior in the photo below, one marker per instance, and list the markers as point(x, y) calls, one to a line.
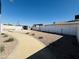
point(70, 28)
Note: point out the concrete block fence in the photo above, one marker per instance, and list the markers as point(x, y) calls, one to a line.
point(69, 28)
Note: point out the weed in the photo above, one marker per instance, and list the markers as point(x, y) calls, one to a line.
point(40, 37)
point(5, 35)
point(27, 33)
point(33, 34)
point(9, 40)
point(2, 33)
point(2, 48)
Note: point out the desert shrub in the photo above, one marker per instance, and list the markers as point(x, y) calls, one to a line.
point(2, 48)
point(27, 33)
point(5, 35)
point(2, 33)
point(10, 31)
point(32, 34)
point(40, 37)
point(9, 40)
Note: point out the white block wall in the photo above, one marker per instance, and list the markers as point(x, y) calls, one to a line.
point(7, 27)
point(65, 28)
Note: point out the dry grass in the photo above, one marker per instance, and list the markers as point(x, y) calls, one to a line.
point(7, 44)
point(2, 48)
point(4, 35)
point(40, 37)
point(45, 38)
point(9, 40)
point(33, 34)
point(27, 33)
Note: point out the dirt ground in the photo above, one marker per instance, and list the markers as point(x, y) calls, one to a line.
point(27, 45)
point(38, 41)
point(45, 38)
point(7, 46)
point(65, 48)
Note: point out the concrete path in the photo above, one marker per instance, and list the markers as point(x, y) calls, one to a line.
point(26, 47)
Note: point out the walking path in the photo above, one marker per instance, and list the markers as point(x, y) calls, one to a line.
point(27, 46)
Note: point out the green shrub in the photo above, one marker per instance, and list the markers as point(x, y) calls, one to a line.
point(9, 40)
point(2, 48)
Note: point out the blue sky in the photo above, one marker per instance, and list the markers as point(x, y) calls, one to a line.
point(38, 11)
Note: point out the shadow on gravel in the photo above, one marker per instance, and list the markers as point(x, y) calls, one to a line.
point(65, 48)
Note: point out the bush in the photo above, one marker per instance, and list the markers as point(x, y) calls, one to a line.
point(2, 33)
point(2, 48)
point(40, 37)
point(27, 33)
point(5, 35)
point(9, 40)
point(33, 34)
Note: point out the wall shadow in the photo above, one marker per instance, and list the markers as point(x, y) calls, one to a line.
point(66, 47)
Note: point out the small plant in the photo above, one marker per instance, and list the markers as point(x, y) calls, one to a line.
point(10, 31)
point(2, 33)
point(40, 37)
point(5, 35)
point(33, 34)
point(9, 40)
point(27, 33)
point(2, 48)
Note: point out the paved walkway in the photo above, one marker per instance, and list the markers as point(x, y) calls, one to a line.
point(26, 47)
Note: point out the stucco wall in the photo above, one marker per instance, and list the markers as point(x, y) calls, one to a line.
point(71, 28)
